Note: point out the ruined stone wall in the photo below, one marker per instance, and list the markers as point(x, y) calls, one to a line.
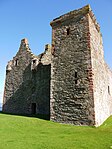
point(18, 81)
point(73, 85)
point(102, 75)
point(71, 72)
point(27, 82)
point(41, 82)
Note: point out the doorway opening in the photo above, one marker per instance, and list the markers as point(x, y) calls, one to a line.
point(33, 108)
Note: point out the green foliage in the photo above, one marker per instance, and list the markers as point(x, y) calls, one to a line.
point(17, 132)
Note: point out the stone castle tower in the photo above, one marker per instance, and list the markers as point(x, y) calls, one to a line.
point(70, 81)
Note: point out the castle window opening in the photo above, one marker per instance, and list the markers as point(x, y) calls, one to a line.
point(34, 61)
point(75, 81)
point(33, 108)
point(76, 74)
point(108, 90)
point(68, 31)
point(16, 62)
point(75, 77)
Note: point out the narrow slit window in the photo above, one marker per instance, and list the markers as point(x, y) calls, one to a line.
point(16, 62)
point(75, 74)
point(76, 77)
point(75, 81)
point(68, 31)
point(108, 90)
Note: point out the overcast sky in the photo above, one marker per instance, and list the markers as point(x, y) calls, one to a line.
point(31, 18)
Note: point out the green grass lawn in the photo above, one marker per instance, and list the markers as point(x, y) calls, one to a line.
point(17, 132)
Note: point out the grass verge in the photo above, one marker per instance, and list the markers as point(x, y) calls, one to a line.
point(18, 132)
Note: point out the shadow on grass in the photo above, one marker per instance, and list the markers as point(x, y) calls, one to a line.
point(40, 116)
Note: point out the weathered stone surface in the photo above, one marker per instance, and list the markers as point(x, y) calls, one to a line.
point(70, 80)
point(102, 78)
point(80, 79)
point(24, 85)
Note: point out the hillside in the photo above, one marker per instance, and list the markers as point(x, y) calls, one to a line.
point(19, 132)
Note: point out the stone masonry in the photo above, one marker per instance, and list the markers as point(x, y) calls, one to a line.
point(27, 85)
point(70, 81)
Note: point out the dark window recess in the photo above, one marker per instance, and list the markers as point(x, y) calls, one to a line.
point(7, 72)
point(75, 81)
point(108, 90)
point(76, 77)
point(16, 62)
point(33, 108)
point(68, 31)
point(41, 56)
point(34, 61)
point(75, 74)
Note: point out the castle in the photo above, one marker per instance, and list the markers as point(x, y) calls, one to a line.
point(70, 82)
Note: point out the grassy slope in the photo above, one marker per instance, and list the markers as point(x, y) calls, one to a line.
point(18, 132)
